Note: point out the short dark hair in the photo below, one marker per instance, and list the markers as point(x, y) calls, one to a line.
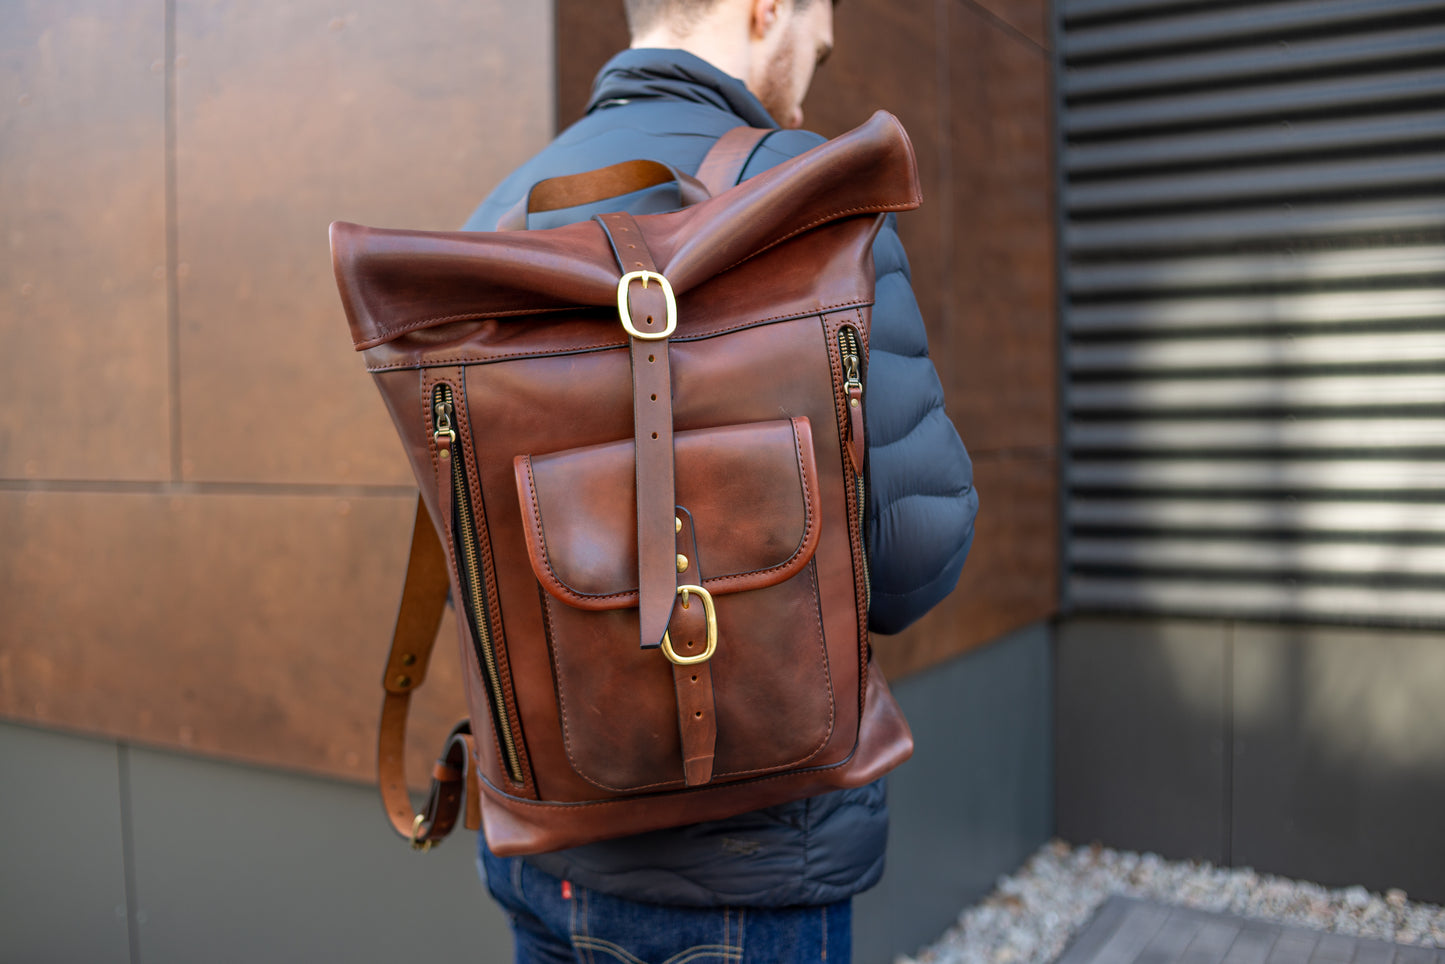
point(645, 14)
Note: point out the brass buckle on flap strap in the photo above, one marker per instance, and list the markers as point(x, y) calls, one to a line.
point(711, 612)
point(626, 314)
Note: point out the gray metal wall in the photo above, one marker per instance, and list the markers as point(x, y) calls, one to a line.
point(116, 853)
point(1253, 225)
point(1317, 753)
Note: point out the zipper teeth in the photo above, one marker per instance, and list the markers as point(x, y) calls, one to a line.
point(863, 548)
point(461, 498)
point(848, 343)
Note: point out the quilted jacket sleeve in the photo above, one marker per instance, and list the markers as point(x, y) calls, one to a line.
point(921, 500)
point(921, 497)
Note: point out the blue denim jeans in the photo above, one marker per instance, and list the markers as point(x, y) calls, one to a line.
point(558, 922)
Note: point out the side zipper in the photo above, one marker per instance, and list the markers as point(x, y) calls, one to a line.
point(853, 393)
point(474, 603)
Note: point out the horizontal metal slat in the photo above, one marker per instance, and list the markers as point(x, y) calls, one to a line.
point(1172, 232)
point(1259, 601)
point(1278, 434)
point(1277, 182)
point(1400, 518)
point(1074, 10)
point(1251, 143)
point(1282, 473)
point(1284, 268)
point(1248, 104)
point(1287, 310)
point(1274, 353)
point(1226, 24)
point(1279, 60)
point(1260, 556)
point(1393, 390)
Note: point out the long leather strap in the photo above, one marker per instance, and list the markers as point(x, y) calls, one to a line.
point(423, 599)
point(692, 682)
point(424, 594)
point(647, 307)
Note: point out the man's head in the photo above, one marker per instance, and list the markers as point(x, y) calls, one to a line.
point(773, 46)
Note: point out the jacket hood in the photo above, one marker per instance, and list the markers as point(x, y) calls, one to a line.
point(650, 73)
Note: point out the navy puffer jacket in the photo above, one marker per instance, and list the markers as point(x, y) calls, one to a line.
point(671, 106)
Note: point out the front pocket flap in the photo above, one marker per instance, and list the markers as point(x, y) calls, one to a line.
point(751, 489)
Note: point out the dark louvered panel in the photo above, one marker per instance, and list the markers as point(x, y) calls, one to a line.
point(1253, 225)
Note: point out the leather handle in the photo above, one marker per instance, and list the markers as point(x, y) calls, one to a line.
point(590, 187)
point(720, 170)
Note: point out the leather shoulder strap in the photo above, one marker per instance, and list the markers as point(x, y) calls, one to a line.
point(725, 161)
point(423, 600)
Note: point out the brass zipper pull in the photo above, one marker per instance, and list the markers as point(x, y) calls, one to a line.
point(444, 435)
point(853, 388)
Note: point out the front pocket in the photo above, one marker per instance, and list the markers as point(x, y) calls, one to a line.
point(751, 493)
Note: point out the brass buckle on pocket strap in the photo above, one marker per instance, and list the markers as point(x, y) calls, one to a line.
point(711, 612)
point(667, 296)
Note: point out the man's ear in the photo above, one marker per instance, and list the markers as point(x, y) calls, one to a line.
point(764, 18)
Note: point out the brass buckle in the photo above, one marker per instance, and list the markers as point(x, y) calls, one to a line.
point(668, 297)
point(420, 846)
point(711, 612)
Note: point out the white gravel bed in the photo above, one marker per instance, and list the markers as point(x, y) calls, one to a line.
point(1032, 914)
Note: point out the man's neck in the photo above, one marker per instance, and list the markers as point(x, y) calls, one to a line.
point(713, 43)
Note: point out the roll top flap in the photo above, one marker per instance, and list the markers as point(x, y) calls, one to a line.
point(751, 491)
point(393, 282)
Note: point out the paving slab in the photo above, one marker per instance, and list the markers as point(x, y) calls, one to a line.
point(1127, 930)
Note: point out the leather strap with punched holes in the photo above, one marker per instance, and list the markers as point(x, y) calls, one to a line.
point(692, 681)
point(645, 302)
point(423, 600)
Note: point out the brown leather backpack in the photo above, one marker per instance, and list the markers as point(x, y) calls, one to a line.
point(639, 443)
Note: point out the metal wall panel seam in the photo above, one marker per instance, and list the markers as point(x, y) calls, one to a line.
point(1063, 405)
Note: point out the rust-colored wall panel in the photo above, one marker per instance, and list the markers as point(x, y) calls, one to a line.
point(1011, 578)
point(589, 33)
point(291, 115)
point(84, 375)
point(1001, 371)
point(1029, 17)
point(246, 626)
point(850, 85)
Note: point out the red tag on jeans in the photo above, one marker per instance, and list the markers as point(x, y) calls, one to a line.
point(566, 890)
